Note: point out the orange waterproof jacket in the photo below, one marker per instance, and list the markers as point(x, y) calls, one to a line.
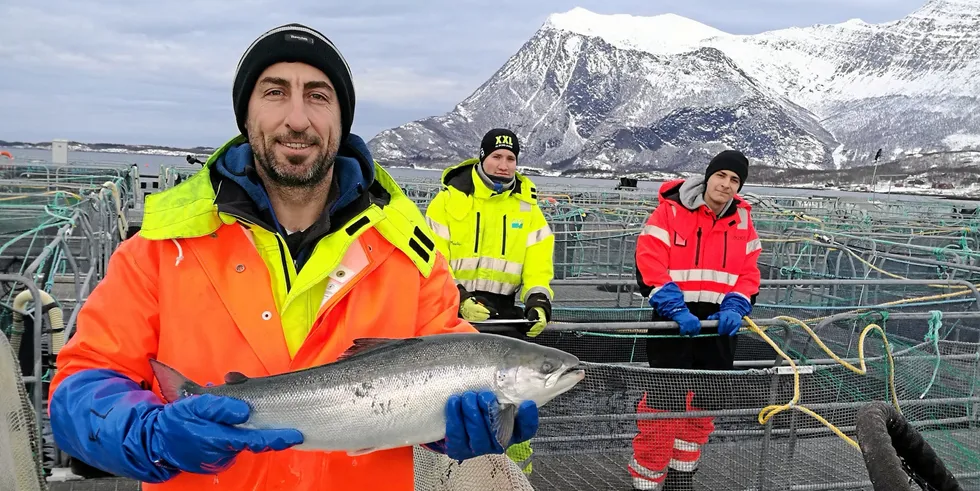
point(207, 302)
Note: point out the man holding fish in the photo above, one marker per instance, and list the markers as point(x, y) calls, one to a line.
point(290, 249)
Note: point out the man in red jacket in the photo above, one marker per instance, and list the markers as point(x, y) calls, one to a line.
point(697, 260)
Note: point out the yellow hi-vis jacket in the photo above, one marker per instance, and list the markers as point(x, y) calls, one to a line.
point(495, 243)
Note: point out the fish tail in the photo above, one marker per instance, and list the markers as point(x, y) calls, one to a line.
point(173, 385)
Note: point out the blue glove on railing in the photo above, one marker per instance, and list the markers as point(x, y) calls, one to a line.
point(669, 303)
point(470, 422)
point(733, 308)
point(108, 421)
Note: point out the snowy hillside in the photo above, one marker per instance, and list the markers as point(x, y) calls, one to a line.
point(591, 92)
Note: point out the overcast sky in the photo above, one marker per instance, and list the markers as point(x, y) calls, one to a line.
point(161, 72)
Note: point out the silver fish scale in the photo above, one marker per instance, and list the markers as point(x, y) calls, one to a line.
point(387, 398)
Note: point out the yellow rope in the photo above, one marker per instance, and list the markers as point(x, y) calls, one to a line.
point(768, 412)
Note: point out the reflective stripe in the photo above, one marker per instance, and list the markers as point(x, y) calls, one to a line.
point(704, 275)
point(485, 285)
point(493, 264)
point(657, 232)
point(538, 235)
point(537, 289)
point(697, 295)
point(439, 229)
point(645, 485)
point(703, 296)
point(686, 446)
point(525, 206)
point(752, 246)
point(743, 219)
point(353, 262)
point(683, 466)
point(647, 473)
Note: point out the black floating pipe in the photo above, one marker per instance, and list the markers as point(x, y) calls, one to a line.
point(894, 451)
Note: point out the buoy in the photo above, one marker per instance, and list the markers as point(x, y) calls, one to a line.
point(4, 152)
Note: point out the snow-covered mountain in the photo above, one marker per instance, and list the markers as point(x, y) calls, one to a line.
point(592, 92)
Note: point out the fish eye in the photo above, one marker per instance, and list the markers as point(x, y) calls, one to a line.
point(547, 367)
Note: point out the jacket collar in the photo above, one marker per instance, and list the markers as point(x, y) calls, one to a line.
point(220, 193)
point(464, 178)
point(689, 193)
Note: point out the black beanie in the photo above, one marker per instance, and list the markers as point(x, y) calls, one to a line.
point(731, 160)
point(496, 139)
point(293, 43)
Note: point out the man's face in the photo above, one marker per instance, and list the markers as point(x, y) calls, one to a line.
point(721, 187)
point(500, 162)
point(294, 124)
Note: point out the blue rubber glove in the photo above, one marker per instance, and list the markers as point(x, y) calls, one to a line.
point(728, 322)
point(108, 421)
point(690, 325)
point(668, 301)
point(470, 419)
point(733, 307)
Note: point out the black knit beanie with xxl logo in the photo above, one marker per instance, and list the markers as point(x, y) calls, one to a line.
point(293, 43)
point(496, 139)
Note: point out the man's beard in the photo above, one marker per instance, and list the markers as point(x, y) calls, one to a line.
point(278, 172)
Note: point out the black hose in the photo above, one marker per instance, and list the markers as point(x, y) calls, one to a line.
point(893, 451)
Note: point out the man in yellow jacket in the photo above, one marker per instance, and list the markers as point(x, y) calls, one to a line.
point(487, 222)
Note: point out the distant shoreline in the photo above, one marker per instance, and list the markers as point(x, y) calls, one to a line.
point(74, 146)
point(203, 152)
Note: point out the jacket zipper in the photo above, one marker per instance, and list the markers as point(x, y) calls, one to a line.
point(697, 250)
point(282, 253)
point(476, 242)
point(285, 264)
point(503, 243)
point(724, 259)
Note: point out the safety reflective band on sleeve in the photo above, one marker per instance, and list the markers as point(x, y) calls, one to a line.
point(438, 228)
point(752, 246)
point(657, 232)
point(538, 235)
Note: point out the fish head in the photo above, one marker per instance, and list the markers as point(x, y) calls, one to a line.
point(537, 373)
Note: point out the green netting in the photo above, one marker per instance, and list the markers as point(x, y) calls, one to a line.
point(58, 227)
point(838, 264)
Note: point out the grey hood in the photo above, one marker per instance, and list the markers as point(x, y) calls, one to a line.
point(691, 194)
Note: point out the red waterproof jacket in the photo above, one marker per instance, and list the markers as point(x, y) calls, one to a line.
point(707, 256)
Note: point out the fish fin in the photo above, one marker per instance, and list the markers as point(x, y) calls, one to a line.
point(173, 385)
point(235, 378)
point(503, 427)
point(361, 451)
point(364, 345)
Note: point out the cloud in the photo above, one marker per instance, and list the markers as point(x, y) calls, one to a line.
point(161, 72)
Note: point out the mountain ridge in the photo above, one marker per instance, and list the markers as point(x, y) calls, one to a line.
point(825, 96)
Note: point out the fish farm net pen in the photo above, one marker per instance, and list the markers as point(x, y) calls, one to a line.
point(840, 277)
